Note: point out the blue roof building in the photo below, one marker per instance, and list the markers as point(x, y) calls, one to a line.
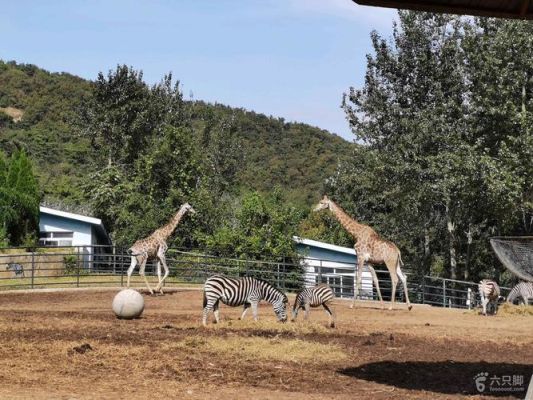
point(333, 265)
point(60, 228)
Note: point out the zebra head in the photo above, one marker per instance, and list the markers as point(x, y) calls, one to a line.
point(280, 307)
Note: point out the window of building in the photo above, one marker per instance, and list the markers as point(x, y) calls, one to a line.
point(55, 239)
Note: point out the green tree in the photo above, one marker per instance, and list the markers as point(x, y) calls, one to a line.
point(261, 227)
point(19, 200)
point(425, 176)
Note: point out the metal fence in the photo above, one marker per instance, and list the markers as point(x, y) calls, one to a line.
point(85, 266)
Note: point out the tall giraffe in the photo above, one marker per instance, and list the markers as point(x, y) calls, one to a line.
point(155, 246)
point(369, 248)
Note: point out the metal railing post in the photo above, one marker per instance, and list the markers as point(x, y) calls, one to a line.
point(444, 292)
point(320, 272)
point(423, 290)
point(121, 268)
point(32, 269)
point(114, 260)
point(77, 267)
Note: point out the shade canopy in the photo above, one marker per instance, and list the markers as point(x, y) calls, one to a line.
point(521, 9)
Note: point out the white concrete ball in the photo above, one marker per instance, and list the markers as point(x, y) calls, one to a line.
point(128, 304)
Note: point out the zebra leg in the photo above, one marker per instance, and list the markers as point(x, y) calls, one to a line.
point(245, 309)
point(306, 311)
point(294, 314)
point(254, 310)
point(207, 309)
point(216, 312)
point(331, 315)
point(484, 302)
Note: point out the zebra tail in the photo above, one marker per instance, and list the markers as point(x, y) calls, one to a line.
point(205, 299)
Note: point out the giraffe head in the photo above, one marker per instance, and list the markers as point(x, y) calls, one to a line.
point(188, 208)
point(324, 204)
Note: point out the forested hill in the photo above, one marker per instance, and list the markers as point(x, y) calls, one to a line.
point(37, 110)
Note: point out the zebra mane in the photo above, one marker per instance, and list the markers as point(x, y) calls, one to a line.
point(271, 285)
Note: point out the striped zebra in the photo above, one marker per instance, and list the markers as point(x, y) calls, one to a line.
point(245, 292)
point(489, 291)
point(320, 295)
point(522, 292)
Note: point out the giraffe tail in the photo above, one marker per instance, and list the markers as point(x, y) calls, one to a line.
point(399, 263)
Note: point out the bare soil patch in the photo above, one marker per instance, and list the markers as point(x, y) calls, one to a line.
point(70, 345)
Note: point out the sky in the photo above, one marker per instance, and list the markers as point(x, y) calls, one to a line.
point(286, 58)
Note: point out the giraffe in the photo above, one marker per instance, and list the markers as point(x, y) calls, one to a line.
point(369, 248)
point(155, 246)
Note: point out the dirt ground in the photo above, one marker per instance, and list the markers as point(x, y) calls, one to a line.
point(69, 345)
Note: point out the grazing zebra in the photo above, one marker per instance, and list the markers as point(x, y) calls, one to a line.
point(521, 292)
point(16, 268)
point(245, 291)
point(489, 291)
point(313, 297)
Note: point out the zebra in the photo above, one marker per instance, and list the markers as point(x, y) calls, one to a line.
point(18, 269)
point(246, 291)
point(489, 291)
point(521, 292)
point(313, 297)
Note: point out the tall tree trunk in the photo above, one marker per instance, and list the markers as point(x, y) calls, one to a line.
point(451, 243)
point(468, 252)
point(427, 250)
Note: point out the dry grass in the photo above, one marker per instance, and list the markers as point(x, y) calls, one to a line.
point(511, 309)
point(269, 325)
point(261, 348)
point(372, 354)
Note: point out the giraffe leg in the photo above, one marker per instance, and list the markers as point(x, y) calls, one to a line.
point(376, 284)
point(392, 265)
point(394, 283)
point(404, 283)
point(158, 269)
point(357, 280)
point(131, 268)
point(331, 315)
point(165, 268)
point(141, 272)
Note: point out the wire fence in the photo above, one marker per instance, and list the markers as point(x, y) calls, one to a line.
point(88, 266)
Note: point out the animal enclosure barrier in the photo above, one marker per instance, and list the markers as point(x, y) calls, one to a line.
point(451, 293)
point(97, 266)
point(516, 254)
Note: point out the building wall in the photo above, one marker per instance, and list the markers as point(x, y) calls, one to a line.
point(335, 268)
point(82, 231)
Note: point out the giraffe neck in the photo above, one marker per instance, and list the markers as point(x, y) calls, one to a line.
point(167, 229)
point(351, 225)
